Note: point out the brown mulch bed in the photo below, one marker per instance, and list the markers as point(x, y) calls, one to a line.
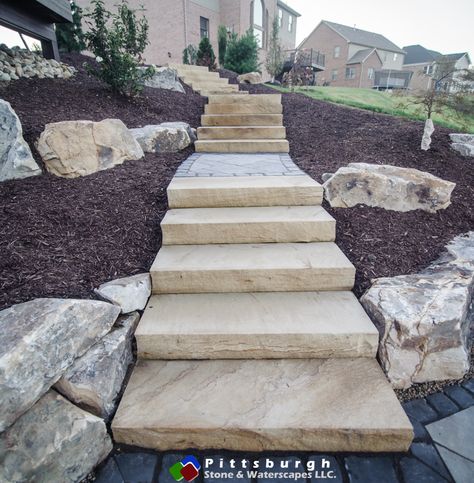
point(62, 237)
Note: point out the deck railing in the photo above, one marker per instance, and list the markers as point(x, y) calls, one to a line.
point(305, 58)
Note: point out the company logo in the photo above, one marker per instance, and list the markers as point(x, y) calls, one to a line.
point(186, 469)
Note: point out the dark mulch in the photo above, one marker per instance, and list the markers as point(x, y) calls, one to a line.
point(61, 237)
point(64, 237)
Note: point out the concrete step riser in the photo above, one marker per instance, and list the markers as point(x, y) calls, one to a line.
point(213, 133)
point(253, 108)
point(275, 267)
point(252, 98)
point(247, 225)
point(242, 120)
point(243, 146)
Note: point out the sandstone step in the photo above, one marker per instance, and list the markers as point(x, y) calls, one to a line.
point(325, 405)
point(242, 120)
point(252, 98)
point(274, 224)
point(243, 146)
point(240, 94)
point(241, 132)
point(256, 326)
point(210, 84)
point(186, 67)
point(201, 75)
point(269, 267)
point(243, 191)
point(215, 87)
point(244, 108)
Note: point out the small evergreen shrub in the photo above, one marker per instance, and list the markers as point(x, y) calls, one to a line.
point(70, 35)
point(205, 54)
point(190, 55)
point(222, 43)
point(118, 41)
point(242, 53)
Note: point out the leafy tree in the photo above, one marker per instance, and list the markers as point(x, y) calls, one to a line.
point(190, 55)
point(275, 57)
point(242, 53)
point(70, 35)
point(222, 43)
point(118, 41)
point(205, 54)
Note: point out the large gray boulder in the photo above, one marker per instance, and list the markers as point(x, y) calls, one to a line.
point(162, 139)
point(165, 78)
point(94, 381)
point(463, 144)
point(389, 187)
point(250, 78)
point(129, 293)
point(77, 148)
point(53, 442)
point(40, 340)
point(424, 319)
point(16, 160)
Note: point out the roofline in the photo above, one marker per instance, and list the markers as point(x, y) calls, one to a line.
point(314, 30)
point(398, 51)
point(374, 49)
point(288, 8)
point(421, 63)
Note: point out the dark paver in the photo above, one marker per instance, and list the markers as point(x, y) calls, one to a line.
point(427, 454)
point(442, 404)
point(419, 410)
point(137, 467)
point(228, 465)
point(414, 471)
point(282, 465)
point(109, 473)
point(460, 396)
point(371, 469)
point(324, 468)
point(469, 385)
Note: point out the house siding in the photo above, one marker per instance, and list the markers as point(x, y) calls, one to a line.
point(372, 62)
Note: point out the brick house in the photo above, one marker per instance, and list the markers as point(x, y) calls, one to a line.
point(174, 24)
point(355, 57)
point(428, 65)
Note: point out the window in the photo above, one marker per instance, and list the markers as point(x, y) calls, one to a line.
point(334, 74)
point(204, 27)
point(395, 56)
point(370, 73)
point(290, 23)
point(428, 69)
point(280, 17)
point(337, 52)
point(257, 15)
point(350, 73)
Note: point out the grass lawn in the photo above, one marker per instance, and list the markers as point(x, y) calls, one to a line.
point(383, 102)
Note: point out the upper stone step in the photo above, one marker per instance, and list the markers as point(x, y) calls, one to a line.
point(256, 326)
point(187, 67)
point(211, 84)
point(241, 132)
point(242, 120)
point(252, 98)
point(201, 75)
point(243, 146)
point(276, 224)
point(269, 267)
point(325, 405)
point(244, 108)
point(243, 191)
point(208, 93)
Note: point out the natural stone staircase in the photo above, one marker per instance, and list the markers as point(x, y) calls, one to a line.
point(253, 340)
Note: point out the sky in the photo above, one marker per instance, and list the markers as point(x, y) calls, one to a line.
point(446, 26)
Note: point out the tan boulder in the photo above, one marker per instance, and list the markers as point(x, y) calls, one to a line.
point(388, 187)
point(77, 148)
point(250, 78)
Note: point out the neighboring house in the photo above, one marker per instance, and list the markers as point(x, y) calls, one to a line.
point(175, 24)
point(355, 57)
point(36, 18)
point(429, 66)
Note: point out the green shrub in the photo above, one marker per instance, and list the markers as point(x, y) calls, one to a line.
point(242, 53)
point(205, 54)
point(190, 55)
point(118, 41)
point(222, 43)
point(275, 57)
point(70, 35)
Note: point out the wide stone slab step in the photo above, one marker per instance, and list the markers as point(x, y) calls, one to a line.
point(242, 120)
point(256, 326)
point(235, 133)
point(200, 75)
point(278, 224)
point(188, 68)
point(269, 267)
point(207, 93)
point(252, 98)
point(261, 405)
point(243, 146)
point(244, 108)
point(243, 191)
